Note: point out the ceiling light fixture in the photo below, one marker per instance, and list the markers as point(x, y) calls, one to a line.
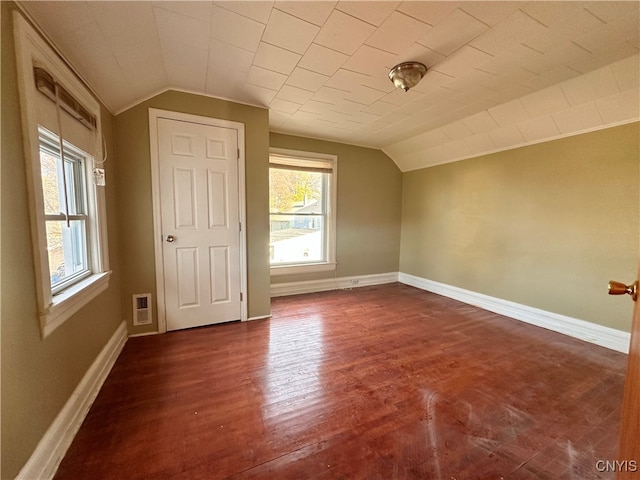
point(407, 75)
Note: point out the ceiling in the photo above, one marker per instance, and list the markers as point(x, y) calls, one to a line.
point(501, 74)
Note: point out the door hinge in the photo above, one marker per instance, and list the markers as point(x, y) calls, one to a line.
point(238, 151)
point(240, 296)
point(240, 226)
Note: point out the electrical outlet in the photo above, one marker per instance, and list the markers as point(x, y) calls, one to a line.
point(355, 281)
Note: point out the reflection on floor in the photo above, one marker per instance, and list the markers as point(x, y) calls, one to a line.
point(385, 382)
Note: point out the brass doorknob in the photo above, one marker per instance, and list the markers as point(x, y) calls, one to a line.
point(618, 288)
point(171, 238)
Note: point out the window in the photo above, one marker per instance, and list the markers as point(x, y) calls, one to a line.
point(65, 211)
point(63, 154)
point(302, 211)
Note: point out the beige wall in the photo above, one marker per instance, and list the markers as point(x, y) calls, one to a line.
point(135, 209)
point(546, 225)
point(369, 196)
point(38, 376)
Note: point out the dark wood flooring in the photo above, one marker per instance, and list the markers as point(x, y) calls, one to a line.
point(385, 382)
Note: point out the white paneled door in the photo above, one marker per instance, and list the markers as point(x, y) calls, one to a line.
point(198, 173)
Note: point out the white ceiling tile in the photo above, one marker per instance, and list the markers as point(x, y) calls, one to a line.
point(473, 94)
point(314, 106)
point(343, 33)
point(380, 81)
point(457, 29)
point(479, 144)
point(275, 58)
point(259, 95)
point(187, 31)
point(346, 106)
point(227, 63)
point(371, 12)
point(399, 98)
point(507, 94)
point(346, 80)
point(428, 12)
point(289, 32)
point(186, 70)
point(578, 118)
point(68, 18)
point(480, 123)
point(516, 28)
point(509, 113)
point(234, 29)
point(307, 79)
point(620, 107)
point(463, 61)
point(111, 20)
point(434, 80)
point(539, 128)
point(508, 136)
point(311, 11)
point(491, 12)
point(551, 99)
point(609, 11)
point(369, 60)
point(627, 72)
point(365, 117)
point(457, 130)
point(329, 95)
point(567, 19)
point(549, 78)
point(365, 95)
point(277, 119)
point(380, 108)
point(284, 106)
point(266, 78)
point(322, 60)
point(255, 10)
point(419, 53)
point(303, 118)
point(197, 10)
point(294, 94)
point(386, 36)
point(586, 88)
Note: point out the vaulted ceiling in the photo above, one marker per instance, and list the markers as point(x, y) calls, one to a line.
point(501, 74)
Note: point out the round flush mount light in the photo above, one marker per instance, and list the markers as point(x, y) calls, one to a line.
point(407, 75)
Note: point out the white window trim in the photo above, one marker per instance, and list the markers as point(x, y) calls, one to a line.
point(53, 310)
point(330, 263)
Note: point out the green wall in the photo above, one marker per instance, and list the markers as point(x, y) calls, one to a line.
point(135, 208)
point(38, 376)
point(546, 225)
point(368, 210)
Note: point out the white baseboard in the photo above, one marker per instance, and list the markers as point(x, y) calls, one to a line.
point(54, 444)
point(583, 330)
point(261, 317)
point(311, 286)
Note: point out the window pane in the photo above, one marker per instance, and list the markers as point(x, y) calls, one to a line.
point(51, 181)
point(66, 247)
point(296, 239)
point(294, 191)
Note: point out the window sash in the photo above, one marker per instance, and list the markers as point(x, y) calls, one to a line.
point(323, 214)
point(75, 239)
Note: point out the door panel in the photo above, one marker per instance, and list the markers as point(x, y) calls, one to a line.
point(198, 167)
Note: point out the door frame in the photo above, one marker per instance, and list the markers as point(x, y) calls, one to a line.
point(154, 115)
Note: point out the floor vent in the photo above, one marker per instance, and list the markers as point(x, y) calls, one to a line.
point(142, 309)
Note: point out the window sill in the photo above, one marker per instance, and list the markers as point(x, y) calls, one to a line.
point(308, 268)
point(72, 299)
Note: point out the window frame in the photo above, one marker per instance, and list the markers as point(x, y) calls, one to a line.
point(55, 308)
point(50, 143)
point(330, 206)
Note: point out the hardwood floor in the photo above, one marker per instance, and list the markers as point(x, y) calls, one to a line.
point(385, 382)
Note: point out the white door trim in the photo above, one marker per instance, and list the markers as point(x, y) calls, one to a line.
point(154, 115)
